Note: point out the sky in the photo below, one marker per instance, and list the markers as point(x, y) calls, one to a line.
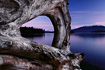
point(82, 12)
point(87, 12)
point(42, 22)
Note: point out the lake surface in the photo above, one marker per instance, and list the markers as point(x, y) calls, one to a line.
point(93, 45)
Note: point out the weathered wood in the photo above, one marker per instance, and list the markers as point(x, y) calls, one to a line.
point(18, 53)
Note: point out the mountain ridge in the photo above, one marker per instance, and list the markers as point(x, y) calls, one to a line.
point(85, 29)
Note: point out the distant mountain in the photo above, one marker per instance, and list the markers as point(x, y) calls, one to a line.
point(87, 29)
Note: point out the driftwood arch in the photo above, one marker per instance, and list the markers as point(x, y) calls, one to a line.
point(18, 53)
point(60, 39)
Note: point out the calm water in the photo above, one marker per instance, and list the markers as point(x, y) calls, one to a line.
point(93, 45)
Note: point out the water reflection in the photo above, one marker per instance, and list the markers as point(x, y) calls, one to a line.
point(91, 35)
point(45, 39)
point(92, 45)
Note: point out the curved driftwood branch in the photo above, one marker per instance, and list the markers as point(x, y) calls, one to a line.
point(18, 53)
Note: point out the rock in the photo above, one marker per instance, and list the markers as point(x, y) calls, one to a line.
point(18, 53)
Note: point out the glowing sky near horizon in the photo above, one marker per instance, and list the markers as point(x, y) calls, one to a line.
point(42, 22)
point(82, 12)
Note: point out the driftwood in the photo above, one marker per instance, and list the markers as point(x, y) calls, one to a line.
point(18, 53)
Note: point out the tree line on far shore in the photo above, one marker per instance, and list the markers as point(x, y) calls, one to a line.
point(30, 31)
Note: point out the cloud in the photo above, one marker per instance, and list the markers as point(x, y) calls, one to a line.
point(76, 26)
point(91, 12)
point(37, 22)
point(46, 27)
point(31, 25)
point(100, 23)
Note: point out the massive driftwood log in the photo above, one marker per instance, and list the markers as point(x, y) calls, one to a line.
point(18, 53)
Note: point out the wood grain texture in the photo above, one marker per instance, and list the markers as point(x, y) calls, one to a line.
point(18, 53)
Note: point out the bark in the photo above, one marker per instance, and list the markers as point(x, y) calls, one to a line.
point(18, 53)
